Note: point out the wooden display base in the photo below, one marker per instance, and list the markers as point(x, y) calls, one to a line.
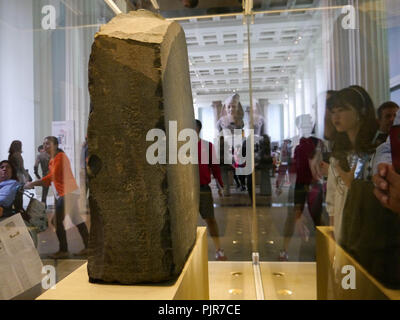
point(331, 258)
point(192, 284)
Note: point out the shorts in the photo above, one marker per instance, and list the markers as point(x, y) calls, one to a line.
point(300, 195)
point(206, 203)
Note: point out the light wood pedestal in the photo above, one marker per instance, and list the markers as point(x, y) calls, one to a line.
point(192, 284)
point(331, 259)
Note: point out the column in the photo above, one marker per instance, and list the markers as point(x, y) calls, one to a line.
point(359, 56)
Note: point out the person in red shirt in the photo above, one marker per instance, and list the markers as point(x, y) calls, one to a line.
point(208, 165)
point(66, 191)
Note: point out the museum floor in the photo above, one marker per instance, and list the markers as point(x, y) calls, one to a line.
point(233, 279)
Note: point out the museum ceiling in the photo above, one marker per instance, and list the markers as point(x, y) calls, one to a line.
point(280, 42)
point(283, 34)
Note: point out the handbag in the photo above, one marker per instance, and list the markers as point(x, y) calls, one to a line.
point(36, 213)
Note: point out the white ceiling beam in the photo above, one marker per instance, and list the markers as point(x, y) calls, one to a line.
point(155, 4)
point(113, 6)
point(271, 23)
point(240, 64)
point(273, 97)
point(270, 46)
point(241, 76)
point(238, 87)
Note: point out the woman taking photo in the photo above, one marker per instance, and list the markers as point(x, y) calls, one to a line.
point(66, 191)
point(363, 227)
point(352, 115)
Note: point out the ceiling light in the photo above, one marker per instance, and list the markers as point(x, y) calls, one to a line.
point(74, 10)
point(155, 4)
point(113, 6)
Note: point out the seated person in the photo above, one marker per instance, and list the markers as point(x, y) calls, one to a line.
point(8, 188)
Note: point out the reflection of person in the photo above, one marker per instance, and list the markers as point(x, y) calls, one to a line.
point(258, 119)
point(16, 160)
point(64, 186)
point(8, 187)
point(231, 119)
point(329, 129)
point(387, 187)
point(206, 201)
point(386, 114)
point(262, 161)
point(275, 156)
point(231, 114)
point(386, 180)
point(239, 179)
point(42, 159)
point(353, 116)
point(284, 164)
point(306, 189)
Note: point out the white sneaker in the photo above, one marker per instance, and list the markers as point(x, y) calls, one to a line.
point(220, 255)
point(283, 256)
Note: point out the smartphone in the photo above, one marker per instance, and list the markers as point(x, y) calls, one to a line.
point(395, 146)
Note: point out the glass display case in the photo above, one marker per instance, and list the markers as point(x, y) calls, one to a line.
point(287, 75)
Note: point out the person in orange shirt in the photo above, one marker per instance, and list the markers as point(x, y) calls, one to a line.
point(66, 191)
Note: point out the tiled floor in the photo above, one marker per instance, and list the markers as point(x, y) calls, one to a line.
point(234, 217)
point(281, 280)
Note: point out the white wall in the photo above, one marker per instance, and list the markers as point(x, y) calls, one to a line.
point(16, 78)
point(274, 120)
point(206, 116)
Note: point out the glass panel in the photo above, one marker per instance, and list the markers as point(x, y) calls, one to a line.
point(299, 51)
point(287, 68)
point(217, 48)
point(325, 144)
point(44, 61)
